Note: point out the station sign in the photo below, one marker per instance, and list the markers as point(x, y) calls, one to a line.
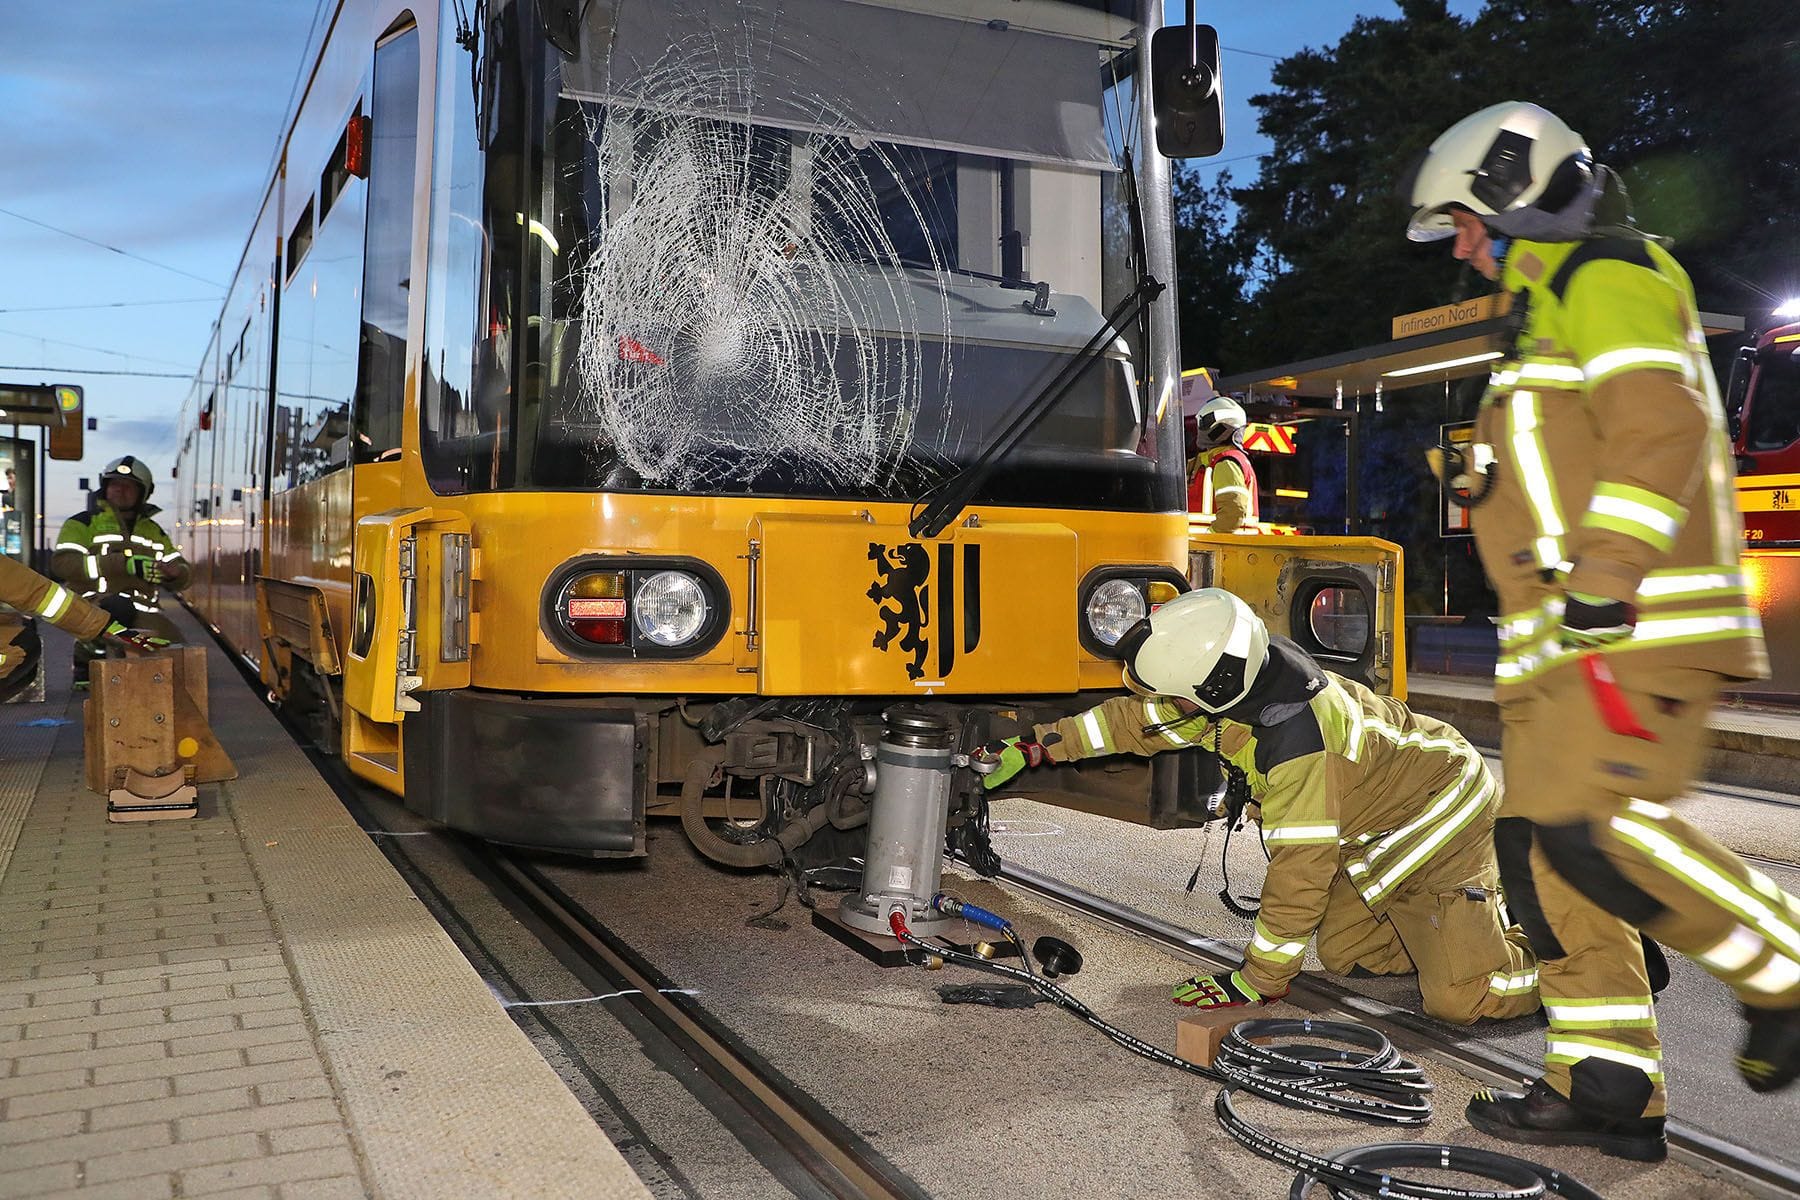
point(1450, 316)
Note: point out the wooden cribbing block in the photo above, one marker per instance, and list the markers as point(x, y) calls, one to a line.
point(147, 714)
point(1199, 1034)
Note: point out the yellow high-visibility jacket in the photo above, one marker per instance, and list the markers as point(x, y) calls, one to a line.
point(94, 546)
point(1612, 471)
point(1346, 780)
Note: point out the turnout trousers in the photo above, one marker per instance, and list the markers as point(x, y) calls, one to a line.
point(1590, 852)
point(1447, 923)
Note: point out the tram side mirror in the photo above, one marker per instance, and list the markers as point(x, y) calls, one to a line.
point(562, 24)
point(1185, 91)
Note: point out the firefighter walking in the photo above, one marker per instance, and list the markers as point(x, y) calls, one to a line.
point(1603, 513)
point(1377, 820)
point(116, 555)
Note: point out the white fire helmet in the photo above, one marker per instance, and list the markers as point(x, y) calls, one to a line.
point(1516, 166)
point(1218, 419)
point(1205, 646)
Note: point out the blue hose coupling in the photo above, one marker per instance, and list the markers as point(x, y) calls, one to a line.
point(950, 906)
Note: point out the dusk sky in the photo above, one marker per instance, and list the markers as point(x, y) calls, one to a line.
point(149, 127)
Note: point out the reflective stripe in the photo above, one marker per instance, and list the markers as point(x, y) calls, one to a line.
point(1091, 727)
point(1353, 751)
point(108, 537)
point(1298, 835)
point(1633, 358)
point(1534, 473)
point(1572, 1048)
point(1778, 976)
point(1444, 817)
point(1659, 585)
point(92, 567)
point(1636, 513)
point(1737, 951)
point(144, 541)
point(1696, 626)
point(1566, 1014)
point(1446, 830)
point(1153, 712)
point(1267, 947)
point(1537, 372)
point(81, 546)
point(142, 607)
point(1511, 985)
point(1242, 491)
point(55, 602)
point(1701, 875)
point(1648, 808)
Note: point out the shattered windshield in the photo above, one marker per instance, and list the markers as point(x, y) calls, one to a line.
point(825, 248)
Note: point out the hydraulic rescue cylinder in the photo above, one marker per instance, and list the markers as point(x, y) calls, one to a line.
point(904, 859)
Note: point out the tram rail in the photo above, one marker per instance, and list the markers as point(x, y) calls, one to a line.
point(833, 1156)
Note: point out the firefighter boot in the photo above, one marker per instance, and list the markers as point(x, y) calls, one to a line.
point(1540, 1116)
point(1771, 1056)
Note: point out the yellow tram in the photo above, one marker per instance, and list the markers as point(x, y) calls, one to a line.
point(618, 405)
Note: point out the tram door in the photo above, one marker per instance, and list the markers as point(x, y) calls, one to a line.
point(18, 540)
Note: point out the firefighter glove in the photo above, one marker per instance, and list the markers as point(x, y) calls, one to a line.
point(133, 641)
point(999, 761)
point(1592, 621)
point(1218, 991)
point(144, 567)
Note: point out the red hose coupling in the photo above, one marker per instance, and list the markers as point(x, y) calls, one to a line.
point(897, 923)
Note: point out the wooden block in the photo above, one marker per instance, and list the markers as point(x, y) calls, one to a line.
point(195, 745)
point(1198, 1034)
point(142, 797)
point(134, 719)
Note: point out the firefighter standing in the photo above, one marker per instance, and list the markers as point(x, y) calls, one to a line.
point(118, 557)
point(1377, 821)
point(1604, 516)
point(1221, 481)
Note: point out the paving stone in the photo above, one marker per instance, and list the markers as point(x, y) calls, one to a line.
point(277, 1168)
point(168, 1066)
point(167, 1108)
point(35, 1181)
point(81, 1098)
point(176, 1157)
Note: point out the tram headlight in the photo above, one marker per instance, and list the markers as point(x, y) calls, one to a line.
point(670, 608)
point(1113, 607)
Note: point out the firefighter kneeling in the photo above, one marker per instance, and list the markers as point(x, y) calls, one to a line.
point(1378, 822)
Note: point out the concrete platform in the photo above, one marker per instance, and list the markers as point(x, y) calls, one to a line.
point(249, 1003)
point(1753, 745)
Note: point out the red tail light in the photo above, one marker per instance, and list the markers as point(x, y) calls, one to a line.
point(595, 609)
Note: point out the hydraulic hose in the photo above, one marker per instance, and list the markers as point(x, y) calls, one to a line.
point(1371, 1083)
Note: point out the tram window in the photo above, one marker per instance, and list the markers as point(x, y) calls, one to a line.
point(337, 168)
point(316, 351)
point(1775, 404)
point(387, 261)
point(300, 240)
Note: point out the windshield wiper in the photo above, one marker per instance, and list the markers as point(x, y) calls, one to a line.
point(944, 501)
point(1003, 281)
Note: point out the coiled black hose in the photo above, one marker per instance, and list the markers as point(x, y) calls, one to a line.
point(1372, 1083)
